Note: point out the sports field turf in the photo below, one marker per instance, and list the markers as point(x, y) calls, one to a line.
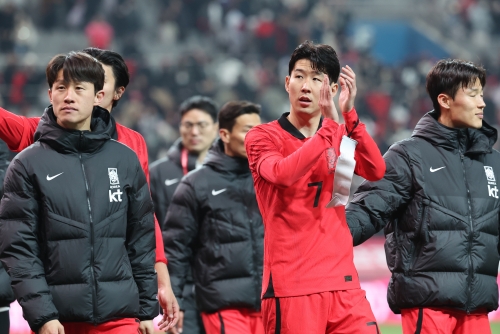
point(394, 329)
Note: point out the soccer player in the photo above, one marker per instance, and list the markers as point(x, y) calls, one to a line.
point(438, 203)
point(310, 283)
point(76, 217)
point(214, 222)
point(198, 130)
point(18, 131)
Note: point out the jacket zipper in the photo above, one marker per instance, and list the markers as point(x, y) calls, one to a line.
point(469, 292)
point(92, 274)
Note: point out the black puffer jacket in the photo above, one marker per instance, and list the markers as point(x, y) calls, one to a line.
point(165, 175)
point(6, 293)
point(439, 203)
point(77, 227)
point(215, 219)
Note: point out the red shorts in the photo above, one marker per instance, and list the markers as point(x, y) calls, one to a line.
point(345, 312)
point(442, 321)
point(233, 321)
point(121, 326)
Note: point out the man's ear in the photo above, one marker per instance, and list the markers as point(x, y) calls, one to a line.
point(287, 83)
point(98, 97)
point(335, 88)
point(444, 100)
point(118, 93)
point(224, 135)
point(50, 95)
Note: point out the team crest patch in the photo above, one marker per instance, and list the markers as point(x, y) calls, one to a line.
point(492, 183)
point(489, 173)
point(114, 183)
point(113, 176)
point(331, 160)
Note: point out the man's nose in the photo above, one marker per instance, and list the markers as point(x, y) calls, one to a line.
point(69, 95)
point(482, 104)
point(306, 87)
point(195, 130)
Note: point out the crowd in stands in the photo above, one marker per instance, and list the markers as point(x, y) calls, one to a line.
point(228, 50)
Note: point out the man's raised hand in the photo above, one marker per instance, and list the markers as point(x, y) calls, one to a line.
point(348, 89)
point(325, 103)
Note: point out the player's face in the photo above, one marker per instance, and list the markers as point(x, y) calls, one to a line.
point(303, 87)
point(466, 109)
point(73, 102)
point(198, 130)
point(235, 140)
point(110, 92)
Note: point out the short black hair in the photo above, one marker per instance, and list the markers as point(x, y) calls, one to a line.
point(116, 62)
point(203, 103)
point(448, 75)
point(323, 58)
point(232, 110)
point(76, 67)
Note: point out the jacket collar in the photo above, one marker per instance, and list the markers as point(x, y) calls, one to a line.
point(290, 128)
point(470, 141)
point(174, 154)
point(221, 162)
point(73, 141)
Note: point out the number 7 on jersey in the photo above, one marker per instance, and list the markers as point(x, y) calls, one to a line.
point(318, 191)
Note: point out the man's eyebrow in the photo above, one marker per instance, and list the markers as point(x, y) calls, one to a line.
point(316, 72)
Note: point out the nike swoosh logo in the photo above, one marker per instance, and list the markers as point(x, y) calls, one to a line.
point(435, 170)
point(168, 182)
point(50, 178)
point(215, 193)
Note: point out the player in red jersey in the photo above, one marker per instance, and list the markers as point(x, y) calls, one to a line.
point(310, 283)
point(18, 132)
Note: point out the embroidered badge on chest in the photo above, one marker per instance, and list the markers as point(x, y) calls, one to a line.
point(492, 184)
point(331, 159)
point(114, 183)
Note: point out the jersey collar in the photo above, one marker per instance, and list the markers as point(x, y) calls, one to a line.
point(288, 127)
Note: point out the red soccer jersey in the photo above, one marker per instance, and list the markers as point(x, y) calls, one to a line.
point(19, 131)
point(307, 247)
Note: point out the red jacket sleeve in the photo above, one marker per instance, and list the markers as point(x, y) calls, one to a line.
point(265, 157)
point(17, 131)
point(136, 142)
point(160, 251)
point(369, 161)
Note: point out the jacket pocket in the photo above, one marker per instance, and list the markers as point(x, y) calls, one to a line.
point(390, 250)
point(418, 239)
point(127, 267)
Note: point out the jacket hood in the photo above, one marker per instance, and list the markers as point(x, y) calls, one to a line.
point(470, 141)
point(174, 154)
point(71, 141)
point(220, 161)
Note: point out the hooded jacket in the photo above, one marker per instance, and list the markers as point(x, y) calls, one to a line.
point(166, 174)
point(18, 132)
point(6, 293)
point(77, 227)
point(439, 204)
point(214, 219)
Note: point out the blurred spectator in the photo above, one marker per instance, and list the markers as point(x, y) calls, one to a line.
point(99, 33)
point(233, 49)
point(7, 24)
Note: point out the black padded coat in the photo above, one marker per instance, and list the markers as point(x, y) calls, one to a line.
point(439, 203)
point(77, 227)
point(214, 222)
